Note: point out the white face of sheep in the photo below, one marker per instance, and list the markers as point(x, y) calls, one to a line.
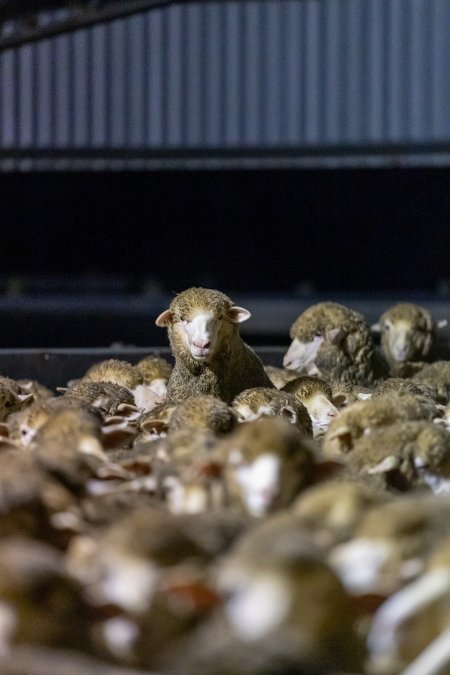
point(302, 354)
point(200, 331)
point(259, 481)
point(399, 337)
point(321, 410)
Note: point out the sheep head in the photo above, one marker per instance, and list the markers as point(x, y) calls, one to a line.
point(408, 332)
point(324, 322)
point(198, 319)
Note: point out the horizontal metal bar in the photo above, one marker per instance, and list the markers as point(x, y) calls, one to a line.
point(341, 150)
point(56, 367)
point(379, 155)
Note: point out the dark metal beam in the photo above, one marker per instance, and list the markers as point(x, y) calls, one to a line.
point(339, 150)
point(82, 15)
point(339, 156)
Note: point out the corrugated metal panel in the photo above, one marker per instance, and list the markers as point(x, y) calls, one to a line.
point(254, 83)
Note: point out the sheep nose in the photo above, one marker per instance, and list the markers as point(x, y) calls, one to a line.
point(201, 344)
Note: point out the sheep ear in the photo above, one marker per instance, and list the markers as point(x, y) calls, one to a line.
point(343, 436)
point(23, 398)
point(340, 400)
point(164, 319)
point(335, 335)
point(156, 425)
point(129, 411)
point(238, 314)
point(289, 414)
point(442, 323)
point(389, 463)
point(375, 327)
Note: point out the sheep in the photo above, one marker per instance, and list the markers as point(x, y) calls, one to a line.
point(266, 464)
point(66, 433)
point(203, 412)
point(155, 372)
point(436, 376)
point(43, 598)
point(408, 333)
point(210, 355)
point(283, 610)
point(154, 424)
point(410, 631)
point(404, 455)
point(391, 543)
point(12, 397)
point(401, 385)
point(117, 371)
point(345, 393)
point(109, 397)
point(330, 511)
point(335, 342)
point(23, 425)
point(317, 397)
point(123, 564)
point(362, 417)
point(256, 402)
point(38, 390)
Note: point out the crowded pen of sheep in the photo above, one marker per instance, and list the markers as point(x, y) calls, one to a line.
point(217, 515)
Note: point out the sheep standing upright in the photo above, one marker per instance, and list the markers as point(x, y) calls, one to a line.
point(210, 355)
point(334, 341)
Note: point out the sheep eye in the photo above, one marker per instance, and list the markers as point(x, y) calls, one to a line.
point(317, 334)
point(387, 326)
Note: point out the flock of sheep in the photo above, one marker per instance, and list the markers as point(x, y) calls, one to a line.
point(215, 515)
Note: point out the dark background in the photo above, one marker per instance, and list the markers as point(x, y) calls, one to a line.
point(90, 260)
point(264, 231)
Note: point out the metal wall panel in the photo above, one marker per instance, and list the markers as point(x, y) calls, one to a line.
point(253, 83)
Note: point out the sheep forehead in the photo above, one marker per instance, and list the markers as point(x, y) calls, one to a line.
point(413, 315)
point(321, 317)
point(201, 319)
point(312, 388)
point(200, 300)
point(320, 401)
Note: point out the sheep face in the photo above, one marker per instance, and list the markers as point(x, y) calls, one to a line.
point(321, 410)
point(198, 319)
point(302, 354)
point(199, 334)
point(260, 482)
point(408, 332)
point(402, 340)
